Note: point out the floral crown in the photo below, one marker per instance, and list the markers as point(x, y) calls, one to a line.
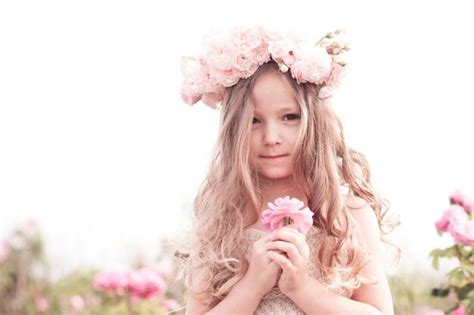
point(235, 55)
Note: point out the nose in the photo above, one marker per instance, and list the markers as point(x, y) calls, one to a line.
point(271, 135)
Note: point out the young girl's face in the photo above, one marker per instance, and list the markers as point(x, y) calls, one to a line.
point(275, 126)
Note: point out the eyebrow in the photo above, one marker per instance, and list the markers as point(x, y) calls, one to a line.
point(283, 109)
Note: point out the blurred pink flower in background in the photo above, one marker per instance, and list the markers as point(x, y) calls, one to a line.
point(41, 303)
point(469, 204)
point(460, 198)
point(456, 219)
point(457, 197)
point(77, 303)
point(145, 284)
point(272, 218)
point(113, 280)
point(142, 284)
point(443, 223)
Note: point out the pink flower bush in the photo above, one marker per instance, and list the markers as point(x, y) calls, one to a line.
point(456, 220)
point(113, 280)
point(273, 218)
point(142, 284)
point(146, 285)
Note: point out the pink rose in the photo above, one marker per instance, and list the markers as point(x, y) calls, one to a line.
point(314, 66)
point(457, 197)
point(189, 93)
point(460, 227)
point(443, 223)
point(336, 75)
point(262, 55)
point(146, 285)
point(285, 50)
point(461, 310)
point(113, 280)
point(244, 61)
point(272, 218)
point(248, 38)
point(469, 204)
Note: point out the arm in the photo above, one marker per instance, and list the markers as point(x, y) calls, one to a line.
point(315, 298)
point(242, 299)
point(367, 299)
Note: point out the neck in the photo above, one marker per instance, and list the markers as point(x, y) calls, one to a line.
point(272, 189)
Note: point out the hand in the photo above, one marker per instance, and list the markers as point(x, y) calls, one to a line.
point(262, 272)
point(288, 248)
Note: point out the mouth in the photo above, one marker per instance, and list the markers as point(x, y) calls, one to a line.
point(273, 157)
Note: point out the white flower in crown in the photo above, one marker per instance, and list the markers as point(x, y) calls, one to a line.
point(231, 56)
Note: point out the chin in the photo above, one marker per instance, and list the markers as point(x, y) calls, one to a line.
point(276, 174)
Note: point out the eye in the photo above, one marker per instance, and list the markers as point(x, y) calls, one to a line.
point(293, 116)
point(255, 120)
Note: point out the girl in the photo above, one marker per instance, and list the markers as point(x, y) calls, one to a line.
point(278, 136)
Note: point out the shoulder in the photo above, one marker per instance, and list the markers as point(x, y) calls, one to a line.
point(364, 217)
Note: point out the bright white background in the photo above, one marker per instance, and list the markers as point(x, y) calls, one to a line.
point(96, 145)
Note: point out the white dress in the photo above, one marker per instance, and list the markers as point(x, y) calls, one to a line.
point(275, 302)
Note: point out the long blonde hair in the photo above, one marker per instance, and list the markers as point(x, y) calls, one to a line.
point(323, 163)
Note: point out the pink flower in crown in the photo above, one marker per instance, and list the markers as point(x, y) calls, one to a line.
point(273, 218)
point(285, 50)
point(113, 280)
point(314, 66)
point(146, 285)
point(460, 227)
point(333, 81)
point(248, 37)
point(190, 93)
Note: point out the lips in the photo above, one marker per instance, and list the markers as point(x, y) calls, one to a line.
point(273, 156)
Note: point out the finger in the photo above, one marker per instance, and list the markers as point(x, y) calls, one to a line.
point(291, 237)
point(289, 231)
point(286, 247)
point(264, 239)
point(282, 261)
